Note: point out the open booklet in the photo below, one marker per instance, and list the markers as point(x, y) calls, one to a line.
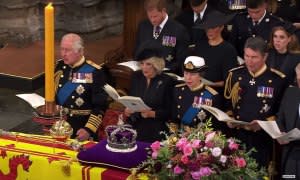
point(222, 116)
point(134, 65)
point(272, 129)
point(33, 99)
point(134, 103)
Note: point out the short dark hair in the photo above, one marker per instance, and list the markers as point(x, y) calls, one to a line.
point(155, 4)
point(253, 4)
point(196, 2)
point(256, 44)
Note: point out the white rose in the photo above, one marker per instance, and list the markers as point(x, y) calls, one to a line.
point(223, 159)
point(216, 151)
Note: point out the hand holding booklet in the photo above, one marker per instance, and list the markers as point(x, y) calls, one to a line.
point(136, 104)
point(222, 116)
point(272, 129)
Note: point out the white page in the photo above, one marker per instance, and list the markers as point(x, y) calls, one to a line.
point(134, 65)
point(33, 99)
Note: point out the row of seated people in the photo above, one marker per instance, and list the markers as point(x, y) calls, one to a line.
point(252, 92)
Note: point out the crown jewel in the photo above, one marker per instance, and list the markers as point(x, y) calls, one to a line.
point(121, 138)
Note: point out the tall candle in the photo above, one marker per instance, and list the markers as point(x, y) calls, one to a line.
point(49, 53)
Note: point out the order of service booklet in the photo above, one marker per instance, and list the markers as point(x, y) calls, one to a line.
point(33, 99)
point(273, 130)
point(136, 104)
point(222, 116)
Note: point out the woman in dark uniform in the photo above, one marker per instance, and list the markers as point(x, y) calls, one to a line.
point(284, 52)
point(154, 88)
point(189, 96)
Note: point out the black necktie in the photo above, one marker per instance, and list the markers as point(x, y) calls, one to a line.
point(198, 18)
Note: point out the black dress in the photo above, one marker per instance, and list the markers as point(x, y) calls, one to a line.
point(288, 118)
point(286, 63)
point(157, 96)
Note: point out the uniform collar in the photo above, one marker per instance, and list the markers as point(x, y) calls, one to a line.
point(198, 87)
point(259, 72)
point(79, 63)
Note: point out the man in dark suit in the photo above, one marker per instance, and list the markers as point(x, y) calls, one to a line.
point(255, 22)
point(288, 119)
point(195, 15)
point(170, 34)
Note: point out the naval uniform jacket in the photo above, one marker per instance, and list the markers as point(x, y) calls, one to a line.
point(80, 91)
point(243, 28)
point(185, 98)
point(255, 98)
point(173, 37)
point(288, 119)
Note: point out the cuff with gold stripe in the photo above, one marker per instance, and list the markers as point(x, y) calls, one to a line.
point(94, 122)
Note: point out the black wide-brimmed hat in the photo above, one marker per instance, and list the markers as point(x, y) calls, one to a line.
point(149, 49)
point(214, 19)
point(194, 64)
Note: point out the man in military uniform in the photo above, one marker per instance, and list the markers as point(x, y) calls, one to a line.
point(189, 96)
point(255, 22)
point(255, 92)
point(79, 88)
point(170, 34)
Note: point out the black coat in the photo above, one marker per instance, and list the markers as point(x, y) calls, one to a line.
point(186, 18)
point(288, 118)
point(173, 53)
point(286, 63)
point(157, 96)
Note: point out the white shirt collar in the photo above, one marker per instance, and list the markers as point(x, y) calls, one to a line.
point(262, 17)
point(201, 13)
point(162, 24)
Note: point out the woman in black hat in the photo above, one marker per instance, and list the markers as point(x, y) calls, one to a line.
point(154, 88)
point(220, 56)
point(190, 95)
point(284, 51)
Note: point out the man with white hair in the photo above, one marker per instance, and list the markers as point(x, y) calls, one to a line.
point(79, 89)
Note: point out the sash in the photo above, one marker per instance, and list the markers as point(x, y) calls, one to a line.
point(193, 111)
point(69, 87)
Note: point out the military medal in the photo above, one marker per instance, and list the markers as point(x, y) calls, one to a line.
point(80, 89)
point(79, 102)
point(252, 82)
point(169, 57)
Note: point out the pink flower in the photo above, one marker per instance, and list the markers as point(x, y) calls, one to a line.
point(181, 143)
point(154, 154)
point(184, 159)
point(178, 170)
point(196, 175)
point(216, 151)
point(187, 149)
point(233, 146)
point(210, 136)
point(155, 146)
point(240, 162)
point(205, 171)
point(223, 159)
point(196, 143)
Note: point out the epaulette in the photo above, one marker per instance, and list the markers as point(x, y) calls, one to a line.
point(281, 74)
point(236, 68)
point(180, 85)
point(93, 64)
point(211, 90)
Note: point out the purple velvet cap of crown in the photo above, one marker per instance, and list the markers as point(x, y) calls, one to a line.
point(99, 155)
point(121, 137)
